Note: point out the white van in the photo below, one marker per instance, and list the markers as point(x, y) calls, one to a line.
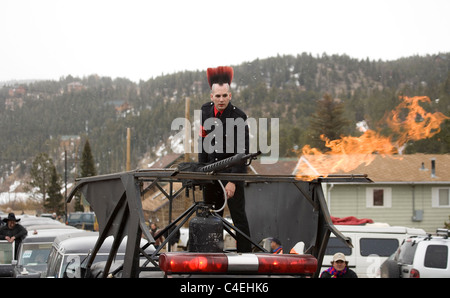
point(372, 245)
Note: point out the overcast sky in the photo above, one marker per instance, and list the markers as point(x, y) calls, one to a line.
point(140, 39)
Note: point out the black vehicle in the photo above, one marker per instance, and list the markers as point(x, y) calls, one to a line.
point(82, 220)
point(69, 252)
point(34, 251)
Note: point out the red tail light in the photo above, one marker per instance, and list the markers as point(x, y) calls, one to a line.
point(193, 263)
point(177, 263)
point(287, 264)
point(414, 273)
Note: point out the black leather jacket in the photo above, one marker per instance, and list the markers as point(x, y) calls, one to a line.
point(215, 141)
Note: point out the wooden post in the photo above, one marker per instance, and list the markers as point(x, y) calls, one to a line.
point(187, 132)
point(128, 149)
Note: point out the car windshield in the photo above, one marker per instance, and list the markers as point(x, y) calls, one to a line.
point(34, 254)
point(81, 217)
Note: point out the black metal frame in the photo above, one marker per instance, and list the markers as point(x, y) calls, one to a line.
point(121, 213)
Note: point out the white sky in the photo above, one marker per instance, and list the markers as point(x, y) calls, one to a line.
point(140, 39)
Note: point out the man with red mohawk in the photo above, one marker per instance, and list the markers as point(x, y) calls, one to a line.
point(224, 133)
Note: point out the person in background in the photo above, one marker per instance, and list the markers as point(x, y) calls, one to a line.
point(275, 244)
point(154, 231)
point(339, 268)
point(12, 231)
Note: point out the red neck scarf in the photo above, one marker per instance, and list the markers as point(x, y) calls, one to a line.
point(217, 113)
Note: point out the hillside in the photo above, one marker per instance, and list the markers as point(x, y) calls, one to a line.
point(53, 116)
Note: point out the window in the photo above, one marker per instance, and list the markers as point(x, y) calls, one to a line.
point(336, 245)
point(378, 197)
point(378, 246)
point(407, 252)
point(436, 256)
point(440, 197)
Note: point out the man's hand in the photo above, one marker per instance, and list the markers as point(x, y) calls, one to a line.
point(10, 239)
point(230, 188)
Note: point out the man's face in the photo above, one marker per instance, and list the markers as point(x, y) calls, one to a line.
point(339, 265)
point(273, 245)
point(11, 224)
point(221, 96)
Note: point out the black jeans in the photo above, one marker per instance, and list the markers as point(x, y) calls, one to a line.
point(213, 194)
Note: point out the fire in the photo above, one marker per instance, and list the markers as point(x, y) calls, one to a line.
point(408, 121)
point(418, 123)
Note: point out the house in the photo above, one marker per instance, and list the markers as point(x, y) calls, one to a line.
point(155, 203)
point(407, 190)
point(75, 87)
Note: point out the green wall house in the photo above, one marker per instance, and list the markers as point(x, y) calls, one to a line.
point(407, 190)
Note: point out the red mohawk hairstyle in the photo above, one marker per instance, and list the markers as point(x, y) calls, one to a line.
point(219, 75)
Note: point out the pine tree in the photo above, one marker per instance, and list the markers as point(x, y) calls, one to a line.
point(87, 162)
point(87, 170)
point(328, 120)
point(55, 201)
point(41, 172)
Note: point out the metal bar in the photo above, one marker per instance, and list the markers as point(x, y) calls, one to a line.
point(116, 243)
point(136, 227)
point(102, 236)
point(144, 191)
point(225, 222)
point(306, 195)
point(171, 174)
point(188, 213)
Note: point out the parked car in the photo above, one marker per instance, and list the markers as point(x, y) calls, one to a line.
point(8, 259)
point(421, 256)
point(68, 252)
point(82, 220)
point(34, 251)
point(372, 245)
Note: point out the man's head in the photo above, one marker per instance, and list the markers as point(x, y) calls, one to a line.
point(275, 243)
point(339, 262)
point(219, 79)
point(11, 220)
point(220, 95)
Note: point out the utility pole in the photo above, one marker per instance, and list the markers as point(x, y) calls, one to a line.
point(65, 184)
point(128, 149)
point(187, 132)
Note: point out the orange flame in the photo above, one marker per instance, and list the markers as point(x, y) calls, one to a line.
point(408, 121)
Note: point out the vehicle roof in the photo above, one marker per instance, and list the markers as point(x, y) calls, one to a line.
point(47, 235)
point(28, 220)
point(40, 227)
point(428, 239)
point(373, 228)
point(83, 242)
